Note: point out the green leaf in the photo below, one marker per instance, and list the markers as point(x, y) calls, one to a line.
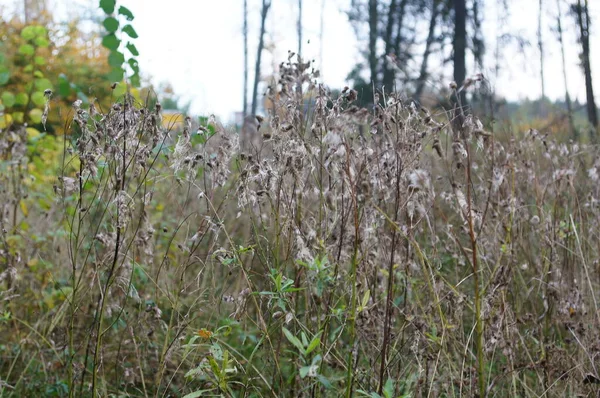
point(43, 84)
point(8, 99)
point(35, 115)
point(4, 75)
point(388, 388)
point(38, 60)
point(133, 63)
point(111, 42)
point(38, 98)
point(21, 99)
point(41, 42)
point(314, 343)
point(133, 49)
point(304, 371)
point(116, 75)
point(130, 31)
point(120, 89)
point(64, 88)
point(294, 340)
point(323, 380)
point(28, 68)
point(38, 74)
point(108, 6)
point(196, 394)
point(40, 30)
point(18, 117)
point(126, 13)
point(26, 49)
point(111, 24)
point(135, 80)
point(116, 59)
point(28, 33)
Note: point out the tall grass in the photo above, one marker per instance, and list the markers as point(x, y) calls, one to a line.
point(377, 252)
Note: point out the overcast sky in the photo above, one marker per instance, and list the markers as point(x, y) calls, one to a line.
point(196, 45)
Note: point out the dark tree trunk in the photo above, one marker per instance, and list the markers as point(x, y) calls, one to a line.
point(423, 73)
point(266, 4)
point(245, 109)
point(459, 44)
point(388, 70)
point(373, 41)
point(583, 20)
point(397, 40)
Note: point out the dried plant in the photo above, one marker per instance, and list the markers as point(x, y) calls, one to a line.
point(328, 250)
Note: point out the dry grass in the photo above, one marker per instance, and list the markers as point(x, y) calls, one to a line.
point(350, 252)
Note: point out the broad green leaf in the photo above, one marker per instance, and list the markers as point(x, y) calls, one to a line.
point(39, 60)
point(126, 13)
point(40, 30)
point(130, 31)
point(133, 49)
point(38, 74)
point(28, 68)
point(21, 99)
point(388, 388)
point(26, 49)
point(41, 42)
point(4, 75)
point(8, 99)
point(111, 24)
point(111, 42)
point(304, 371)
point(294, 340)
point(28, 33)
point(43, 84)
point(120, 89)
point(135, 80)
point(38, 98)
point(32, 133)
point(64, 88)
point(35, 115)
point(108, 6)
point(116, 59)
point(133, 63)
point(216, 351)
point(19, 117)
point(116, 75)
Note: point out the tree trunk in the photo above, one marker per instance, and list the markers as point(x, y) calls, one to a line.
point(299, 27)
point(583, 20)
point(388, 70)
point(459, 44)
point(397, 40)
point(541, 46)
point(564, 69)
point(266, 4)
point(373, 41)
point(245, 109)
point(430, 38)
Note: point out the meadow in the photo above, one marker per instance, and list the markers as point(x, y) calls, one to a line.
point(390, 251)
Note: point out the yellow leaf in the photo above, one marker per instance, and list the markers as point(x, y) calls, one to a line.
point(32, 133)
point(24, 208)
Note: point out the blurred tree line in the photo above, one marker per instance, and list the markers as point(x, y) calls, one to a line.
point(411, 45)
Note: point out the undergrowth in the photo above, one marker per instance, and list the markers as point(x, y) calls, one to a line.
point(382, 252)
